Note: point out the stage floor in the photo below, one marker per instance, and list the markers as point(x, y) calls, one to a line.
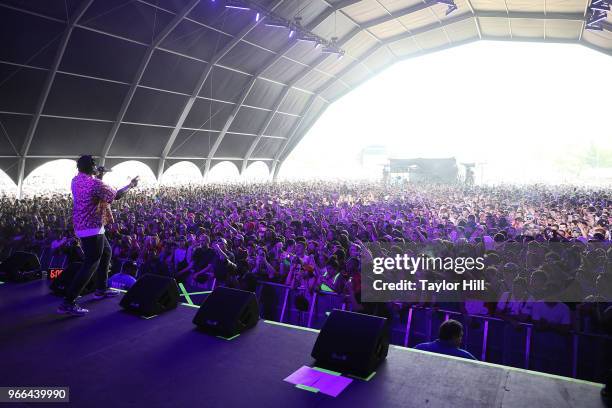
point(114, 359)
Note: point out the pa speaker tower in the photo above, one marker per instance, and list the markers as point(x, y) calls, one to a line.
point(352, 343)
point(151, 295)
point(227, 312)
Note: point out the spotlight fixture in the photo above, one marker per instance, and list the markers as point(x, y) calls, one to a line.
point(295, 30)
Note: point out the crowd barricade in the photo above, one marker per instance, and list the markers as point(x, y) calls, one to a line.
point(491, 339)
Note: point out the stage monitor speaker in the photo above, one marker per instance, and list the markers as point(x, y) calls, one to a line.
point(21, 266)
point(227, 312)
point(61, 280)
point(352, 343)
point(151, 295)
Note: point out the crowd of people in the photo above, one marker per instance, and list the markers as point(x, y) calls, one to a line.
point(315, 236)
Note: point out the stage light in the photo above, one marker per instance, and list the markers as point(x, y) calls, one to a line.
point(277, 24)
point(237, 5)
point(598, 12)
point(291, 33)
point(600, 5)
point(257, 17)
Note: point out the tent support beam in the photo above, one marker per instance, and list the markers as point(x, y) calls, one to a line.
point(59, 55)
point(127, 100)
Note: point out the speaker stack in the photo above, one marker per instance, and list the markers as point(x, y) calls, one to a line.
point(227, 312)
point(21, 267)
point(352, 343)
point(151, 295)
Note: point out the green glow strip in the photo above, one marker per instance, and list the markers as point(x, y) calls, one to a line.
point(119, 290)
point(185, 293)
point(1, 283)
point(323, 370)
point(307, 388)
point(326, 288)
point(553, 376)
point(149, 317)
point(291, 326)
point(229, 338)
point(197, 293)
point(190, 305)
point(368, 378)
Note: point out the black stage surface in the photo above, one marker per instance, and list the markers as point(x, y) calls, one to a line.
point(114, 359)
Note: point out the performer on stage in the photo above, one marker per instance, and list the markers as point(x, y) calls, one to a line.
point(91, 211)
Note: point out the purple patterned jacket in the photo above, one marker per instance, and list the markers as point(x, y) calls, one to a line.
point(88, 192)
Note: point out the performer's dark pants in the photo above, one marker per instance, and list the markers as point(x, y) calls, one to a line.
point(97, 260)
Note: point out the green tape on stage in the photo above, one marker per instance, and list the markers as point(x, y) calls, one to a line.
point(187, 298)
point(326, 288)
point(323, 370)
point(368, 378)
point(307, 388)
point(229, 338)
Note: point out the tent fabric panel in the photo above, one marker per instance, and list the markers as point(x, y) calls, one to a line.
point(563, 29)
point(13, 130)
point(94, 54)
point(172, 72)
point(195, 40)
point(154, 107)
point(267, 148)
point(283, 70)
point(206, 114)
point(14, 96)
point(245, 58)
point(139, 141)
point(280, 125)
point(193, 143)
point(84, 98)
point(10, 166)
point(224, 84)
point(33, 47)
point(248, 120)
point(263, 94)
point(234, 145)
point(494, 27)
point(295, 102)
point(133, 20)
point(61, 137)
